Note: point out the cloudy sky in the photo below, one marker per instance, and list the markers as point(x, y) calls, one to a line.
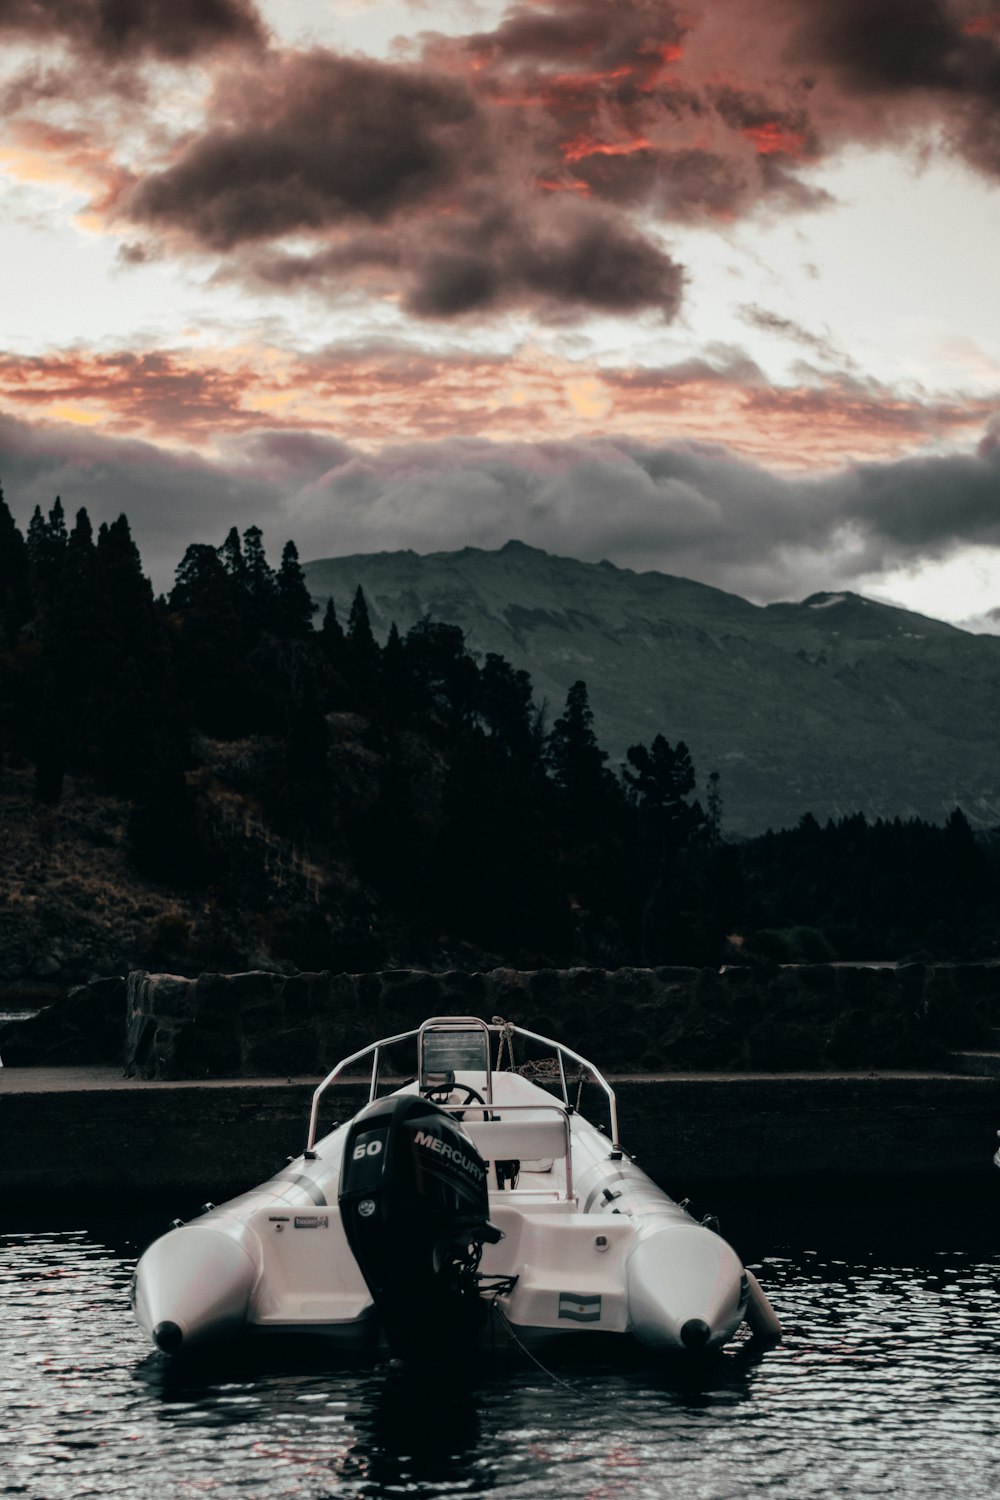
point(709, 288)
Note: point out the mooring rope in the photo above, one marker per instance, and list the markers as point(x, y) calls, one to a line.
point(556, 1379)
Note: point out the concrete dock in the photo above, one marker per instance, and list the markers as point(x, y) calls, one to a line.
point(89, 1135)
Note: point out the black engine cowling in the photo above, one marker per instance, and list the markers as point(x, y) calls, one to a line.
point(415, 1209)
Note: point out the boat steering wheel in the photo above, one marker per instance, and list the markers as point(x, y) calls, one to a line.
point(471, 1096)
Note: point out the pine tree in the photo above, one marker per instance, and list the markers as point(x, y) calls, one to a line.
point(57, 524)
point(713, 809)
point(36, 537)
point(573, 754)
point(661, 780)
point(47, 543)
point(82, 535)
point(201, 581)
point(145, 717)
point(332, 632)
point(362, 654)
point(261, 583)
point(505, 706)
point(231, 557)
point(444, 674)
point(75, 641)
point(15, 585)
point(395, 676)
point(295, 605)
point(211, 641)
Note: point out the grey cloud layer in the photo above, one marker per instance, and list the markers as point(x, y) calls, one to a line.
point(685, 509)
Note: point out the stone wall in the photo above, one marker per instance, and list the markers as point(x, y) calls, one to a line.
point(824, 1016)
point(264, 1024)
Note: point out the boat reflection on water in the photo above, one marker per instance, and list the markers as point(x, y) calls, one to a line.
point(377, 1426)
point(373, 1425)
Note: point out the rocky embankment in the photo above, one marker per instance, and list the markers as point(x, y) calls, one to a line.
point(267, 1024)
point(71, 902)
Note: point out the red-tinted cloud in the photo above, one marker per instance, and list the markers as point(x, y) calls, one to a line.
point(403, 181)
point(530, 166)
point(378, 394)
point(155, 393)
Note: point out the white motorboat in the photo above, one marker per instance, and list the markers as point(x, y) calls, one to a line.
point(470, 1195)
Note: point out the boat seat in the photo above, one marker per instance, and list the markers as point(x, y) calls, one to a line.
point(539, 1141)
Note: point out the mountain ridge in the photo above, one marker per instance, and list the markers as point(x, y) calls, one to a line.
point(831, 705)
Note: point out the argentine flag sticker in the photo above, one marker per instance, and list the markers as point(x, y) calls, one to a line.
point(581, 1308)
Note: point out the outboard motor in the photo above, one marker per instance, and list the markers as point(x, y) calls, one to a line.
point(415, 1209)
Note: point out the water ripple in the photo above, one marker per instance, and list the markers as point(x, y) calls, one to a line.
point(887, 1383)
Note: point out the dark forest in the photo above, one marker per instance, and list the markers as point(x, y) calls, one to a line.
point(442, 814)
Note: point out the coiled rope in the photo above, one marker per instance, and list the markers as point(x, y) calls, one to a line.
point(542, 1070)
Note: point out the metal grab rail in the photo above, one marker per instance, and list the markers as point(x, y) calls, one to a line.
point(345, 1062)
point(493, 1029)
point(596, 1075)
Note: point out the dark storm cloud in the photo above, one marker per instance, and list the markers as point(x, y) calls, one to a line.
point(919, 508)
point(570, 258)
point(577, 257)
point(898, 46)
point(612, 40)
point(880, 71)
point(312, 142)
point(175, 30)
point(401, 169)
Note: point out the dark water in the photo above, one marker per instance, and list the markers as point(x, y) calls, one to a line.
point(888, 1383)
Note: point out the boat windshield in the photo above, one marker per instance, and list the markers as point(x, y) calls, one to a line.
point(451, 1050)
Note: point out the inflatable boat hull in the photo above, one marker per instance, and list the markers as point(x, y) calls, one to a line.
point(578, 1240)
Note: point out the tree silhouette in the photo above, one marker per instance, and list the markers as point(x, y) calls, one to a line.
point(361, 655)
point(261, 583)
point(661, 780)
point(15, 582)
point(442, 671)
point(576, 760)
point(440, 818)
point(332, 632)
point(295, 607)
point(232, 559)
point(505, 706)
point(46, 543)
point(210, 642)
